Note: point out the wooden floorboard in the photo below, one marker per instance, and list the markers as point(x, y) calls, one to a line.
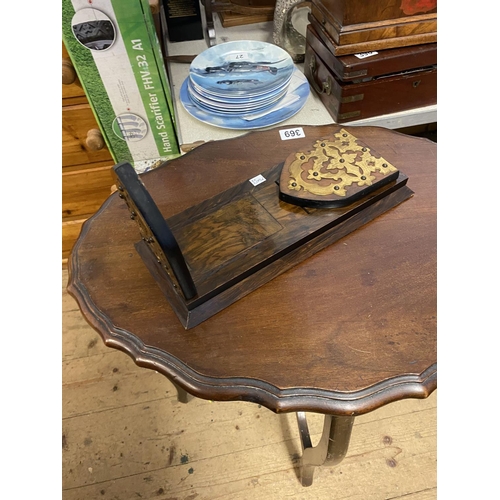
point(125, 436)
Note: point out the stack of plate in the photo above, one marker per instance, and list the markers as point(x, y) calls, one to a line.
point(244, 85)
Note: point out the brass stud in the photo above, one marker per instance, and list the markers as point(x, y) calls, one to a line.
point(336, 188)
point(363, 178)
point(342, 160)
point(315, 174)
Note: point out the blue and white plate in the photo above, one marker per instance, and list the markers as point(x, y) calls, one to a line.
point(232, 111)
point(292, 103)
point(243, 67)
point(239, 107)
point(239, 99)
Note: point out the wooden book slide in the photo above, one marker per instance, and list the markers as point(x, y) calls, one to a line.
point(216, 252)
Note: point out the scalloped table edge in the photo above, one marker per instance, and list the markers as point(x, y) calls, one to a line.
point(278, 400)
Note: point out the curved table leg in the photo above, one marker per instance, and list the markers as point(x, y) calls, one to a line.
point(330, 450)
point(182, 395)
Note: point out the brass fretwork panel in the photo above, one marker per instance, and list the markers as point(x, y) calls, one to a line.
point(335, 172)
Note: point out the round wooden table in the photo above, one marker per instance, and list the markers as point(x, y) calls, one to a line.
point(346, 331)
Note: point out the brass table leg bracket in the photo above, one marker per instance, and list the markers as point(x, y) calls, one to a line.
point(330, 450)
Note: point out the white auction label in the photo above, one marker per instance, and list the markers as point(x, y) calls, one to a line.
point(364, 55)
point(259, 179)
point(292, 133)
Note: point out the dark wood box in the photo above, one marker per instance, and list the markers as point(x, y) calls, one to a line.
point(413, 83)
point(351, 12)
point(366, 66)
point(360, 25)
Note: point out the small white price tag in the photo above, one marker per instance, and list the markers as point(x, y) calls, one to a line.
point(292, 133)
point(259, 179)
point(364, 55)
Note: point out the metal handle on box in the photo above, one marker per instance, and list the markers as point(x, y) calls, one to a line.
point(326, 87)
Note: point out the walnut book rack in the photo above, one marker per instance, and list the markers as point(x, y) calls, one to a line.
point(216, 252)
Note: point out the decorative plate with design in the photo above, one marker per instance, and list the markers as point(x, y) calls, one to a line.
point(243, 67)
point(289, 105)
point(237, 107)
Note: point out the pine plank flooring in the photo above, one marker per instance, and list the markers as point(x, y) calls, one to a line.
point(125, 436)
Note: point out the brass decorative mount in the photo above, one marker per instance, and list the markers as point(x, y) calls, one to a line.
point(336, 172)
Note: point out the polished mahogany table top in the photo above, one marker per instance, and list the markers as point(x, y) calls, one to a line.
point(346, 331)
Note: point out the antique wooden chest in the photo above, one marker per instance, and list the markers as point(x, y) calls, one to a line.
point(360, 25)
point(354, 87)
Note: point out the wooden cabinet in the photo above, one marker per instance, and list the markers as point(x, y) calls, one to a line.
point(86, 161)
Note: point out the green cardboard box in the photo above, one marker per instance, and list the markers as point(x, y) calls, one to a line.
point(116, 53)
